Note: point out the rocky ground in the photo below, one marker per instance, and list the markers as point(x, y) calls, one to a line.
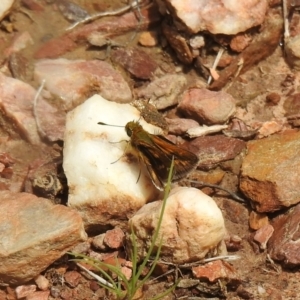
point(220, 81)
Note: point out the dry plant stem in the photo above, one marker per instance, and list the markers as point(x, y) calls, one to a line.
point(139, 17)
point(132, 5)
point(285, 20)
point(233, 195)
point(37, 95)
point(216, 62)
point(100, 279)
point(203, 261)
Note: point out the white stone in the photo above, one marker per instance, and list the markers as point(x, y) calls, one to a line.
point(219, 16)
point(204, 130)
point(5, 6)
point(192, 226)
point(104, 183)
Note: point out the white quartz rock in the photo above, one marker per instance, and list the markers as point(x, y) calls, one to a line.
point(192, 226)
point(5, 6)
point(102, 180)
point(219, 16)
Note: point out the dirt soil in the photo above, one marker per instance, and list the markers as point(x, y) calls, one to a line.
point(255, 270)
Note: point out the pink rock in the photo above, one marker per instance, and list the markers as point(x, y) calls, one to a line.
point(114, 238)
point(6, 159)
point(234, 211)
point(212, 150)
point(234, 243)
point(127, 272)
point(23, 291)
point(216, 270)
point(20, 41)
point(32, 5)
point(17, 103)
point(284, 244)
point(239, 42)
point(206, 106)
point(137, 62)
point(74, 80)
point(179, 126)
point(270, 127)
point(30, 244)
point(72, 278)
point(262, 235)
point(98, 242)
point(40, 295)
point(6, 163)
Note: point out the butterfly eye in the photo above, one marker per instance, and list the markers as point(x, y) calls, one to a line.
point(128, 131)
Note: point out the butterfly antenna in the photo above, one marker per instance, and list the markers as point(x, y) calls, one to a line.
point(101, 123)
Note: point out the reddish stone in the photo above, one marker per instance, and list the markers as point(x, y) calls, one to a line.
point(266, 172)
point(212, 150)
point(257, 220)
point(233, 243)
point(40, 295)
point(148, 39)
point(207, 107)
point(240, 41)
point(179, 126)
point(263, 235)
point(284, 244)
point(39, 243)
point(23, 291)
point(137, 62)
point(94, 285)
point(114, 238)
point(273, 98)
point(32, 5)
point(6, 159)
point(3, 295)
point(216, 270)
point(72, 278)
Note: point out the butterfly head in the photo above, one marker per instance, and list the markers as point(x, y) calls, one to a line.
point(131, 127)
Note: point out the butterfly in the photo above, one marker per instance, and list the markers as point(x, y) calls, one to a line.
point(157, 152)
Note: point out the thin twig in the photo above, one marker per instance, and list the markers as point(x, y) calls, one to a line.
point(223, 257)
point(285, 20)
point(233, 195)
point(216, 62)
point(37, 121)
point(133, 5)
point(201, 262)
point(140, 18)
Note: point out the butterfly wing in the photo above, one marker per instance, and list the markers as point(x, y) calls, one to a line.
point(157, 156)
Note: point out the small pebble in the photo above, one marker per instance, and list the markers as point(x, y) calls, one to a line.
point(42, 282)
point(72, 278)
point(148, 39)
point(273, 98)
